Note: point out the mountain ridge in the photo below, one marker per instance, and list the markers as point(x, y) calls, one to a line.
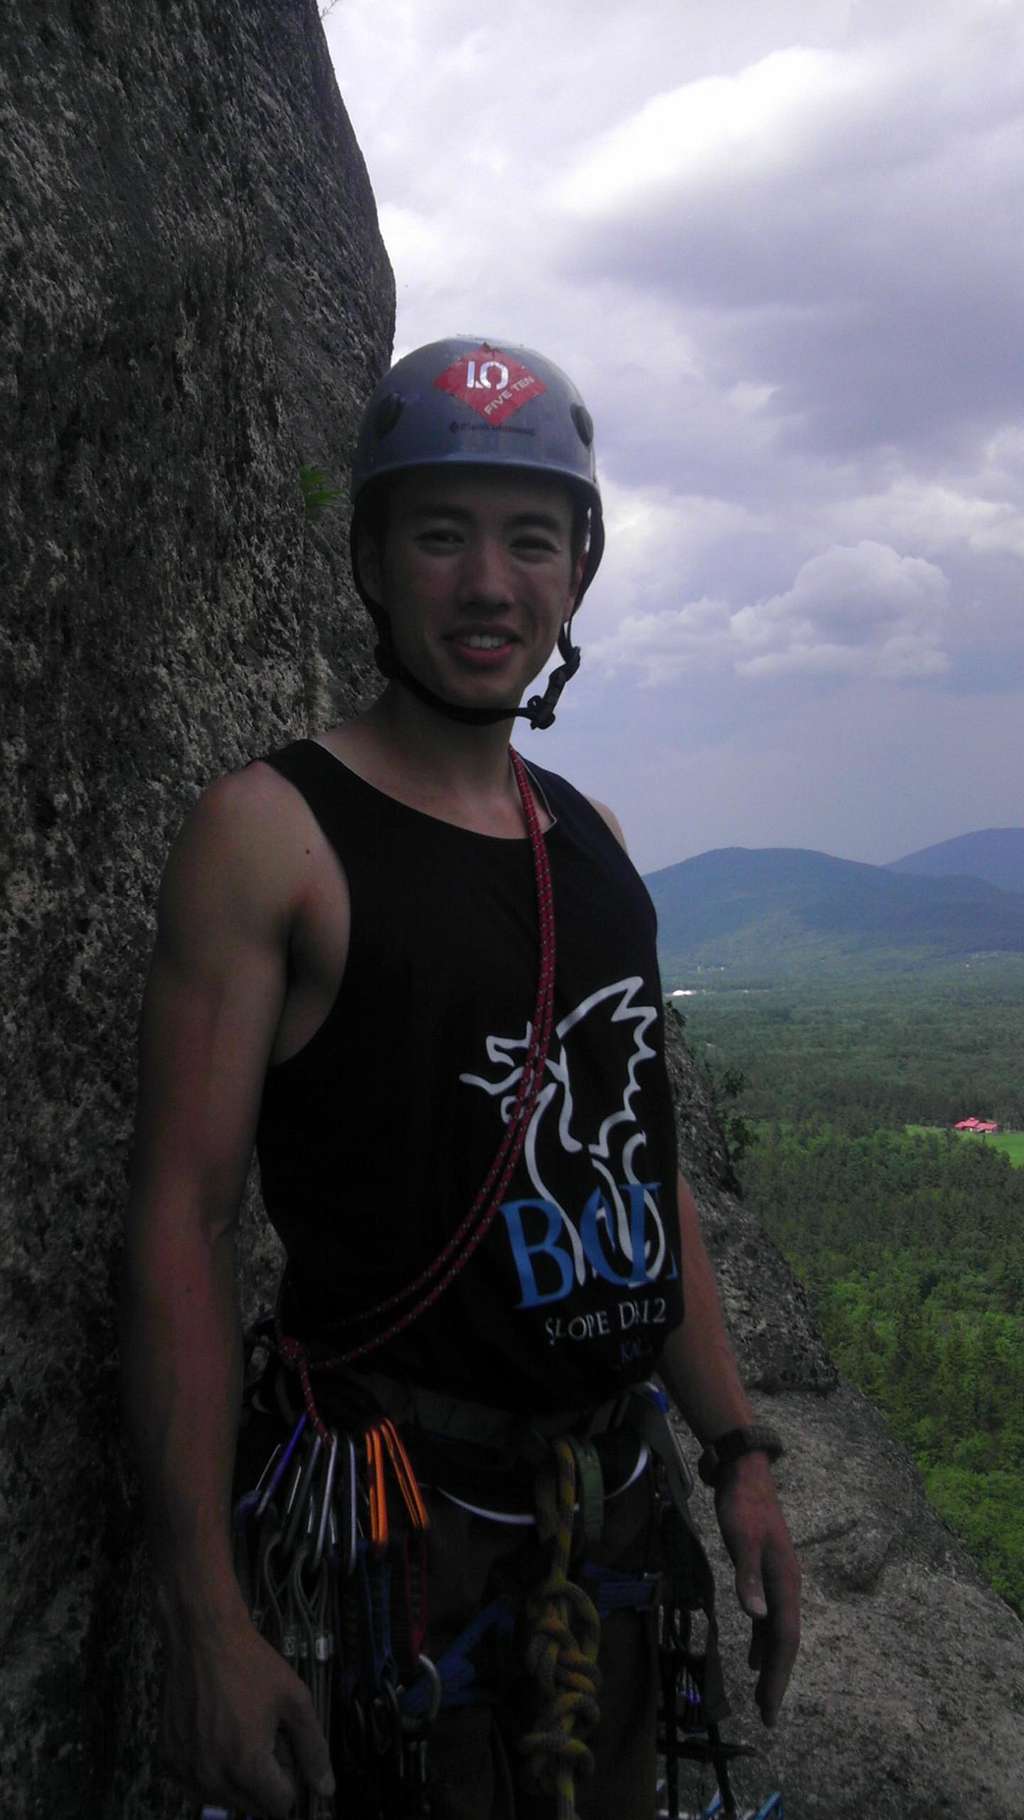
point(993, 854)
point(780, 909)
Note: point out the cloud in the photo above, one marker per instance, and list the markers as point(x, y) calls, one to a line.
point(860, 610)
point(656, 537)
point(719, 131)
point(840, 223)
point(666, 645)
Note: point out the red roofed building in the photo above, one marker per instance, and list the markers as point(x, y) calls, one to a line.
point(976, 1125)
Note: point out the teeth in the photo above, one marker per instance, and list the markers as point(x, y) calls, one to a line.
point(483, 641)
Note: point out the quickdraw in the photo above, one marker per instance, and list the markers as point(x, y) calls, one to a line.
point(333, 1569)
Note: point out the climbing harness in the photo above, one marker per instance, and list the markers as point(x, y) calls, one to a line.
point(330, 1550)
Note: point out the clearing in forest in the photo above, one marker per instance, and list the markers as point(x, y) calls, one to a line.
point(1012, 1142)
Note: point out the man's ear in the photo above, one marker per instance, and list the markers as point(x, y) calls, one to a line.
point(576, 583)
point(568, 623)
point(369, 565)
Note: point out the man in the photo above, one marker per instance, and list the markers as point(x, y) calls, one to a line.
point(422, 980)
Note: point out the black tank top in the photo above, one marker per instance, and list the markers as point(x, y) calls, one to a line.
point(375, 1137)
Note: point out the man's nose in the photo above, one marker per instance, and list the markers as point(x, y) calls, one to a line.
point(485, 572)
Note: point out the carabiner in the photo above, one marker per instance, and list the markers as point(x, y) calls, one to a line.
point(325, 1504)
point(300, 1497)
point(413, 1722)
point(377, 1488)
point(407, 1482)
point(249, 1503)
point(282, 1465)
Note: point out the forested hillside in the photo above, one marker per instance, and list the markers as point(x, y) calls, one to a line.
point(911, 1244)
point(913, 1249)
point(912, 1050)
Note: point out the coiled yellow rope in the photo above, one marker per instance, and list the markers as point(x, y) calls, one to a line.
point(564, 1636)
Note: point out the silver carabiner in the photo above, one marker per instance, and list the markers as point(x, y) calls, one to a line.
point(325, 1505)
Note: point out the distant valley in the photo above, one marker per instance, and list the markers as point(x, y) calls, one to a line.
point(849, 1017)
point(769, 913)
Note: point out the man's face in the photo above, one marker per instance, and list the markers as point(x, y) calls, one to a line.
point(476, 576)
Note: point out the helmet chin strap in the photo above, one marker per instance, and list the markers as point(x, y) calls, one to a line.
point(539, 710)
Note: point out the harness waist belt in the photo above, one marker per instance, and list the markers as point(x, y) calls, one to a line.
point(458, 1419)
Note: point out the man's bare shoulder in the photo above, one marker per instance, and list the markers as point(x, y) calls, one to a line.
point(243, 850)
point(611, 820)
point(255, 798)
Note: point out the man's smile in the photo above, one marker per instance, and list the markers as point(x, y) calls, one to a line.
point(482, 646)
point(482, 641)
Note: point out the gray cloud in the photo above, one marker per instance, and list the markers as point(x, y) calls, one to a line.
point(859, 610)
point(846, 216)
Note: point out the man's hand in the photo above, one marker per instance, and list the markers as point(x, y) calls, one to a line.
point(227, 1697)
point(767, 1574)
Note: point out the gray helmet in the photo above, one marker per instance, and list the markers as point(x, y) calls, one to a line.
point(468, 403)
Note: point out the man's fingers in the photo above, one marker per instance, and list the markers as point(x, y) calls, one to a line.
point(269, 1785)
point(771, 1687)
point(780, 1643)
point(750, 1590)
point(312, 1757)
point(270, 1793)
point(260, 1786)
point(767, 1576)
point(768, 1694)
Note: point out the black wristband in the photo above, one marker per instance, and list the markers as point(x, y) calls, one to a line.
point(732, 1446)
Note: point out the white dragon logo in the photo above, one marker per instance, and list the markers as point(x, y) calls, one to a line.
point(505, 1052)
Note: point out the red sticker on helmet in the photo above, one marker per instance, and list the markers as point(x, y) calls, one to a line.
point(491, 383)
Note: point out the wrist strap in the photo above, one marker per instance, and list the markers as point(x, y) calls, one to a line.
point(731, 1446)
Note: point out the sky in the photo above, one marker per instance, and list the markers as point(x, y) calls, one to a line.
point(780, 249)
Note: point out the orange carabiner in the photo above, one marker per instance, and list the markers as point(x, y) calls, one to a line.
point(407, 1482)
point(377, 1488)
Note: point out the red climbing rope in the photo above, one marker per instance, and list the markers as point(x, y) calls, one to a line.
point(459, 1248)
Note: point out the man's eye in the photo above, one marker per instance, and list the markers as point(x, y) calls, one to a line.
point(438, 535)
point(537, 546)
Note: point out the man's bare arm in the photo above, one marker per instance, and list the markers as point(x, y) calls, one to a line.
point(699, 1368)
point(211, 1008)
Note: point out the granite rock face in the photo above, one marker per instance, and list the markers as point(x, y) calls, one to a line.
point(195, 303)
point(907, 1702)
